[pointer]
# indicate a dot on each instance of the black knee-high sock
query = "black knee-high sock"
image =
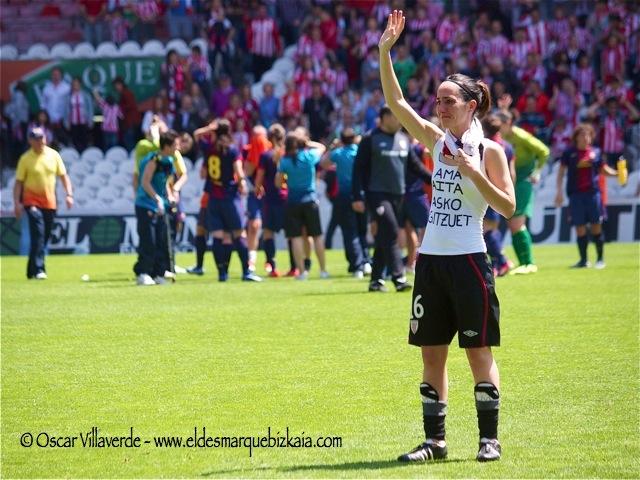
(292, 259)
(270, 251)
(599, 241)
(307, 264)
(487, 406)
(227, 250)
(218, 254)
(201, 247)
(240, 244)
(583, 243)
(434, 413)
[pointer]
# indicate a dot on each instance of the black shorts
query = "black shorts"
(454, 294)
(298, 215)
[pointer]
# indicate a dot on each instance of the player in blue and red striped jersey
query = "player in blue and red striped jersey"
(223, 169)
(273, 198)
(584, 163)
(493, 238)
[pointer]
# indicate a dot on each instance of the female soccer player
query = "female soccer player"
(584, 164)
(454, 290)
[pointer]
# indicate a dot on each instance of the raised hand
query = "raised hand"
(395, 25)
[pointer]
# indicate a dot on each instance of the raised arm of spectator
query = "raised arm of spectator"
(424, 131)
(206, 130)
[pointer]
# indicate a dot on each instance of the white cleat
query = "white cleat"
(144, 280)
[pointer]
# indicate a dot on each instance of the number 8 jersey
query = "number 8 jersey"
(222, 182)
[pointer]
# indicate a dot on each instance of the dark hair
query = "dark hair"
(348, 136)
(491, 125)
(276, 133)
(293, 143)
(384, 111)
(223, 128)
(473, 90)
(196, 49)
(118, 80)
(168, 138)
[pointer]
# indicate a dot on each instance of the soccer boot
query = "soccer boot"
(424, 453)
(489, 451)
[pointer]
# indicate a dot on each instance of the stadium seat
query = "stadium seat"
(61, 50)
(153, 47)
(107, 49)
(92, 155)
(284, 65)
(8, 52)
(273, 76)
(179, 46)
(117, 154)
(122, 206)
(37, 51)
(256, 91)
(84, 50)
(130, 49)
(103, 169)
(290, 51)
(93, 182)
(69, 155)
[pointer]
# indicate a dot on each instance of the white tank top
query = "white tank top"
(457, 211)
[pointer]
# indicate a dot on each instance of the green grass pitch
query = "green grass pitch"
(321, 357)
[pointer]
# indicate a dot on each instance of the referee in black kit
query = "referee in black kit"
(384, 155)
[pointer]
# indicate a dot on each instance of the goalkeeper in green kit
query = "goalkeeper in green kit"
(531, 154)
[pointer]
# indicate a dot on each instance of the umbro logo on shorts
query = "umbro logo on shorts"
(470, 333)
(414, 326)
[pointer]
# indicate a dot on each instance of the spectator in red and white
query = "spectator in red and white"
(327, 76)
(219, 32)
(55, 97)
(221, 95)
(174, 79)
(537, 32)
(417, 25)
(249, 104)
(93, 13)
(158, 111)
(573, 52)
(50, 9)
(616, 88)
(566, 101)
(481, 45)
(533, 70)
(584, 77)
(111, 115)
(318, 113)
(118, 26)
(79, 115)
(370, 70)
(291, 105)
(263, 42)
(449, 28)
(520, 48)
(613, 116)
(304, 76)
(342, 79)
(612, 58)
(179, 17)
(199, 69)
(240, 135)
(370, 38)
(559, 28)
(311, 45)
(498, 43)
(147, 12)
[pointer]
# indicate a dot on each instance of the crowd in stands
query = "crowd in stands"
(552, 63)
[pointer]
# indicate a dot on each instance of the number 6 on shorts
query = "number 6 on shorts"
(418, 309)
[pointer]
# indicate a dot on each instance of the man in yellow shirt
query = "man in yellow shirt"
(35, 193)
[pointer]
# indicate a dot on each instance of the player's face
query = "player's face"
(451, 109)
(583, 139)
